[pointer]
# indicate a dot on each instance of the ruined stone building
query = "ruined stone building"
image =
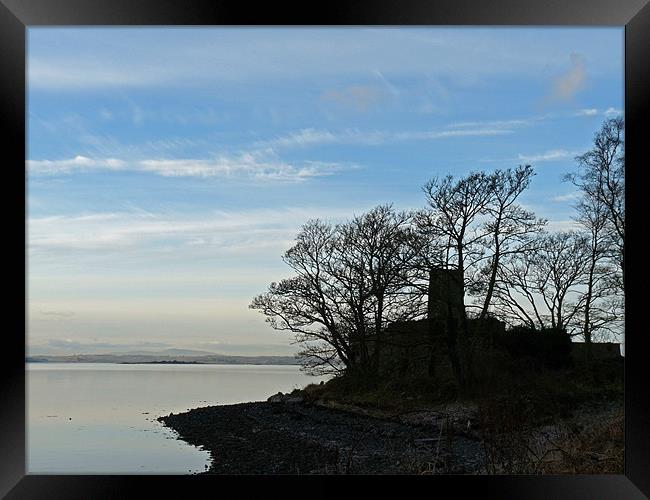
(414, 347)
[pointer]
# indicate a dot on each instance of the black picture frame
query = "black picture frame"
(17, 15)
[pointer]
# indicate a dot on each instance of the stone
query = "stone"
(276, 398)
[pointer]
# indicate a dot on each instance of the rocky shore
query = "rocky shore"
(286, 435)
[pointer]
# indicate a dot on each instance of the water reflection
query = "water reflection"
(101, 418)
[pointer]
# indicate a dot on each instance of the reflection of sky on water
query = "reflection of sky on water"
(101, 418)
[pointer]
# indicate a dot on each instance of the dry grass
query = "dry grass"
(591, 448)
(505, 435)
(591, 442)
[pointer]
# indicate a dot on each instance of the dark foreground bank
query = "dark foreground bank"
(291, 436)
(306, 438)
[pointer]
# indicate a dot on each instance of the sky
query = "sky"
(168, 169)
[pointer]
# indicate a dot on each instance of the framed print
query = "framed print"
(362, 240)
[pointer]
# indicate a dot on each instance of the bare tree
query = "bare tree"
(601, 212)
(352, 281)
(515, 296)
(452, 220)
(601, 179)
(310, 304)
(510, 227)
(381, 249)
(454, 207)
(542, 287)
(600, 304)
(560, 264)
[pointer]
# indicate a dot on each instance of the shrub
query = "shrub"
(547, 348)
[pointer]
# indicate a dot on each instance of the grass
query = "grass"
(549, 394)
(595, 447)
(387, 396)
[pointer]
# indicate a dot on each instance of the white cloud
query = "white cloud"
(245, 165)
(562, 225)
(313, 137)
(77, 164)
(477, 132)
(79, 73)
(307, 137)
(551, 155)
(227, 232)
(497, 124)
(595, 112)
(586, 112)
(566, 197)
(612, 112)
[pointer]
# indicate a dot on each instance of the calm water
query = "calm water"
(101, 418)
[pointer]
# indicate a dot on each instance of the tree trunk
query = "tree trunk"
(376, 355)
(431, 327)
(452, 345)
(493, 274)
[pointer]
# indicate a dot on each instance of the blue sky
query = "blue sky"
(169, 168)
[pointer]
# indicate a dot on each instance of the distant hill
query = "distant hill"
(164, 352)
(179, 356)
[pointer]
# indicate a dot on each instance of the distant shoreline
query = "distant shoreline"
(172, 362)
(215, 359)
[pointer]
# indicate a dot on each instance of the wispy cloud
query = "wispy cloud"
(314, 137)
(546, 156)
(586, 112)
(612, 112)
(566, 197)
(87, 73)
(497, 124)
(596, 112)
(222, 231)
(562, 225)
(77, 164)
(568, 84)
(425, 135)
(131, 58)
(551, 155)
(245, 165)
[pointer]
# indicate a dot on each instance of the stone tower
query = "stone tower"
(445, 294)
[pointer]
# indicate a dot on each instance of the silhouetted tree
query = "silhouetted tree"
(452, 219)
(509, 226)
(352, 280)
(309, 304)
(600, 303)
(601, 213)
(541, 287)
(601, 180)
(379, 249)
